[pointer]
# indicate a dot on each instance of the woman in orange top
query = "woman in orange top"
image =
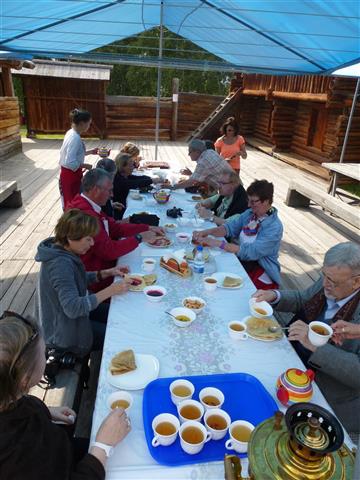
(231, 145)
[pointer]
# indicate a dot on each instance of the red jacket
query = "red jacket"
(107, 248)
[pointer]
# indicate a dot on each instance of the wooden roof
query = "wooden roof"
(56, 68)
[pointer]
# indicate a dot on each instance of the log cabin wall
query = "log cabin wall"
(48, 101)
(262, 126)
(10, 140)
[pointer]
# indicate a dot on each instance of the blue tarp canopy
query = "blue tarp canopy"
(268, 36)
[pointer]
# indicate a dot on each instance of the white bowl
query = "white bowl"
(254, 305)
(170, 227)
(183, 237)
(183, 311)
(152, 298)
(196, 310)
(120, 395)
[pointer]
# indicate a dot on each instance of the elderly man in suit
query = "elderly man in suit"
(334, 297)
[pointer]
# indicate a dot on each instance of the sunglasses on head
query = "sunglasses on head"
(34, 332)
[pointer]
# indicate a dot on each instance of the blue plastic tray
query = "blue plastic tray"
(245, 399)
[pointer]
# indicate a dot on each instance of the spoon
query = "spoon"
(171, 315)
(274, 329)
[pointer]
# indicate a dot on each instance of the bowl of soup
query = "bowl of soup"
(155, 293)
(183, 317)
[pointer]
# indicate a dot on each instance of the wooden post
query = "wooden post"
(7, 82)
(174, 111)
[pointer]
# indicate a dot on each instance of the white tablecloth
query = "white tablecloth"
(203, 348)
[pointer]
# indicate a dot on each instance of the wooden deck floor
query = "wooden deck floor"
(308, 233)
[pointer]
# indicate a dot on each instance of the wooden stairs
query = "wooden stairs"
(214, 116)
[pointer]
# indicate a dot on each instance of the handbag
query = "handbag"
(146, 218)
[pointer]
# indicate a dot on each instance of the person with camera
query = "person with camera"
(73, 320)
(32, 446)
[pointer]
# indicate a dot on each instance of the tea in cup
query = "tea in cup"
(165, 427)
(240, 432)
(210, 284)
(193, 436)
(319, 333)
(148, 265)
(260, 309)
(237, 330)
(181, 390)
(217, 421)
(190, 410)
(120, 400)
(211, 398)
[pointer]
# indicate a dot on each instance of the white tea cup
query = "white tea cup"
(210, 284)
(177, 396)
(215, 393)
(181, 408)
(191, 446)
(217, 433)
(161, 435)
(148, 265)
(123, 398)
(237, 330)
(319, 339)
(233, 443)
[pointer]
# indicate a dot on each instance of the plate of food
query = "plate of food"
(137, 281)
(196, 304)
(258, 329)
(160, 242)
(227, 280)
(190, 255)
(132, 371)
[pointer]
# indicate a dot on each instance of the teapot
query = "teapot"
(294, 385)
(162, 196)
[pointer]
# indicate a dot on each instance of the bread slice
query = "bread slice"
(231, 282)
(123, 362)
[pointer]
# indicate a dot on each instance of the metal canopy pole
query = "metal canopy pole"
(159, 80)
(342, 155)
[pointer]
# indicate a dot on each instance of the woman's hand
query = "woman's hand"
(298, 331)
(345, 331)
(93, 151)
(62, 414)
(210, 242)
(118, 206)
(114, 428)
(204, 212)
(265, 296)
(118, 288)
(119, 271)
(87, 166)
(199, 235)
(157, 230)
(185, 171)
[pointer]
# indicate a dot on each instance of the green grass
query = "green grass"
(353, 188)
(46, 136)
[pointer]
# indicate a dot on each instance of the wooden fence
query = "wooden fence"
(10, 141)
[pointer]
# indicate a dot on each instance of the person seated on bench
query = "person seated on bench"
(124, 180)
(259, 232)
(32, 446)
(109, 166)
(334, 299)
(73, 321)
(134, 152)
(109, 243)
(231, 200)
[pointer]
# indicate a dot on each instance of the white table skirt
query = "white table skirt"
(203, 348)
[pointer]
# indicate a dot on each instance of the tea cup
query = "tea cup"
(193, 436)
(148, 265)
(234, 443)
(316, 337)
(210, 284)
(165, 427)
(190, 410)
(181, 390)
(260, 309)
(213, 424)
(120, 400)
(211, 398)
(183, 237)
(237, 330)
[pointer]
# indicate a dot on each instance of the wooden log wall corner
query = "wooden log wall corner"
(10, 140)
(282, 124)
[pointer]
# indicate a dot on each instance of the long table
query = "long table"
(203, 348)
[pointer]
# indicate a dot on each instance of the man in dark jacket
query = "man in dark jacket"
(231, 200)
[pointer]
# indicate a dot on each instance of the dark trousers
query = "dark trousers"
(98, 318)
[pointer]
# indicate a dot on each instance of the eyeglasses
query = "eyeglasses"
(34, 332)
(334, 284)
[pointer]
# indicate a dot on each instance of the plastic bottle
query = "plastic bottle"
(199, 263)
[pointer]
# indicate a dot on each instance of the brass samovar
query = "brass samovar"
(304, 444)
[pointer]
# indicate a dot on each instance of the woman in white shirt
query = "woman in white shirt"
(72, 156)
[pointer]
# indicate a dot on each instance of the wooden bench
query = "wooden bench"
(10, 196)
(300, 194)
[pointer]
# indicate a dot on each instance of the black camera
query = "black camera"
(174, 212)
(55, 360)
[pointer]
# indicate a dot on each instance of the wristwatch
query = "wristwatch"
(211, 218)
(138, 237)
(109, 450)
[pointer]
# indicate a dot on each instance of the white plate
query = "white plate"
(219, 276)
(159, 246)
(136, 275)
(244, 320)
(146, 371)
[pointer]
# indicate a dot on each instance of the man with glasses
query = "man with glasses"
(230, 201)
(333, 298)
(209, 165)
(114, 239)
